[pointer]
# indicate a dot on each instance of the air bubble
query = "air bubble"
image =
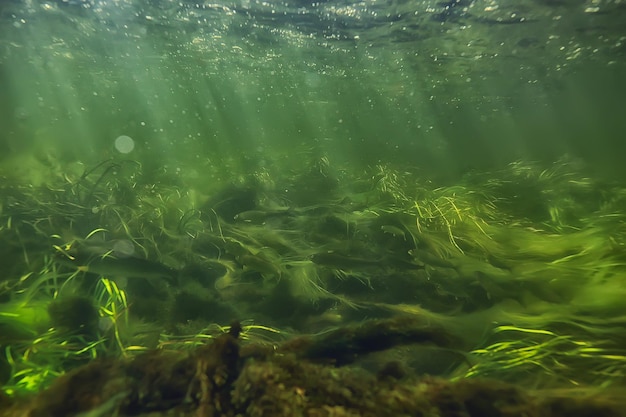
(124, 144)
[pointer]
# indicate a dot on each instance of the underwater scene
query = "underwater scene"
(312, 208)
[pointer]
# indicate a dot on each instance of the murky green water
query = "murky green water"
(173, 165)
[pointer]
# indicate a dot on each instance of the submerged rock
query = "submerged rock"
(223, 379)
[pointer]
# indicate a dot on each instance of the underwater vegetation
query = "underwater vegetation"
(521, 271)
(225, 377)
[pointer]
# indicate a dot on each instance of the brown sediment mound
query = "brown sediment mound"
(298, 378)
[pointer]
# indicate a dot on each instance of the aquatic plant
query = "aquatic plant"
(548, 358)
(250, 331)
(381, 243)
(53, 330)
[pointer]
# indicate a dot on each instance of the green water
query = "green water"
(474, 149)
(445, 87)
